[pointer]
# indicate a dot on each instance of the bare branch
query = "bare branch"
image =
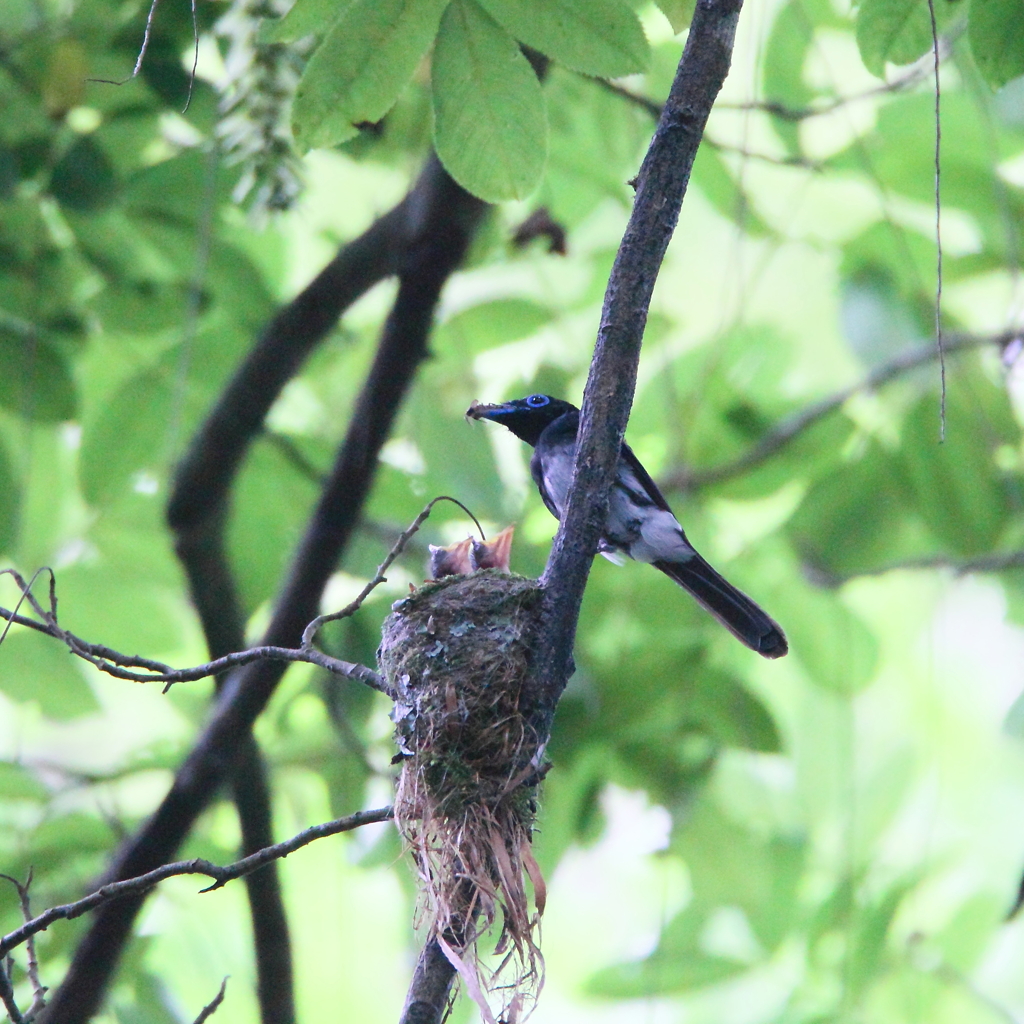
(350, 609)
(997, 562)
(32, 963)
(661, 185)
(198, 866)
(210, 1008)
(430, 991)
(654, 109)
(115, 664)
(141, 56)
(938, 223)
(787, 430)
(7, 995)
(917, 73)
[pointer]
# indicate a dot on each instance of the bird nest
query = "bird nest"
(456, 652)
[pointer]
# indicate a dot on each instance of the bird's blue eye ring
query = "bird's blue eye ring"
(537, 401)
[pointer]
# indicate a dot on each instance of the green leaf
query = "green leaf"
(870, 929)
(35, 380)
(489, 123)
(84, 179)
(897, 31)
(839, 652)
(357, 72)
(682, 968)
(600, 37)
(140, 307)
(178, 189)
(713, 177)
(113, 602)
(39, 668)
(18, 783)
(268, 512)
(306, 18)
(784, 59)
(731, 865)
(996, 31)
(678, 12)
(127, 437)
(595, 146)
(10, 503)
(730, 714)
(959, 491)
(493, 323)
(856, 516)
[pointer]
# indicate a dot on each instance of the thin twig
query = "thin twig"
(7, 995)
(142, 52)
(653, 108)
(210, 1008)
(115, 664)
(119, 665)
(352, 607)
(188, 102)
(198, 866)
(26, 595)
(938, 226)
(32, 962)
(775, 440)
(290, 450)
(781, 111)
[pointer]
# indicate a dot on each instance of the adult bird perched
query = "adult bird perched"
(640, 523)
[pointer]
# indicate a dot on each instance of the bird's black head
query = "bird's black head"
(525, 417)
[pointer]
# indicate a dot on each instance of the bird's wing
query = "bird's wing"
(643, 478)
(551, 469)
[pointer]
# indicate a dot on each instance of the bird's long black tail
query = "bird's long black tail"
(744, 619)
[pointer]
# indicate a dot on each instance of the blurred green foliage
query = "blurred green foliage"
(841, 830)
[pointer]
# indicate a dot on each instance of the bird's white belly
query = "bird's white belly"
(635, 525)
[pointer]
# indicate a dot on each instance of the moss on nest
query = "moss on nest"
(456, 652)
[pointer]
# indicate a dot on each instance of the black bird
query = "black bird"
(640, 523)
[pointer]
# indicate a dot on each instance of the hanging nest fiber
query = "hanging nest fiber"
(456, 652)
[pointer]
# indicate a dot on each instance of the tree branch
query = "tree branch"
(32, 962)
(197, 866)
(112, 662)
(439, 220)
(787, 430)
(7, 997)
(430, 989)
(210, 1008)
(998, 561)
(661, 185)
(654, 108)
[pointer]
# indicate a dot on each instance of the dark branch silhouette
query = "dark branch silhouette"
(209, 1009)
(423, 239)
(998, 561)
(221, 875)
